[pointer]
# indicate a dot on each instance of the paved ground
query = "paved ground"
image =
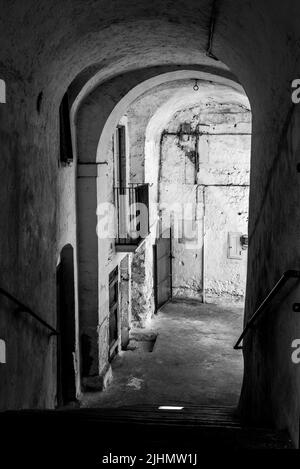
(192, 362)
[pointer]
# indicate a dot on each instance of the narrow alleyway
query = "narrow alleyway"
(192, 361)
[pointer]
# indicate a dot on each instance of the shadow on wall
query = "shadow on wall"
(66, 390)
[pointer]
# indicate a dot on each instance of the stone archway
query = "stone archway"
(96, 118)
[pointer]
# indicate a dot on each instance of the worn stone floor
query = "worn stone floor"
(192, 362)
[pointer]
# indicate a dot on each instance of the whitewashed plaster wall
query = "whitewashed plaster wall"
(220, 137)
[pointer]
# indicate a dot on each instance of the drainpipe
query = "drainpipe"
(203, 234)
(159, 167)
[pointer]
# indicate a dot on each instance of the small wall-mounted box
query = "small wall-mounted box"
(2, 351)
(234, 246)
(244, 241)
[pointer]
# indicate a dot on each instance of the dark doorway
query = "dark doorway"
(162, 269)
(113, 312)
(66, 389)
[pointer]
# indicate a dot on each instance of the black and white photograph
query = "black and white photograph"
(149, 232)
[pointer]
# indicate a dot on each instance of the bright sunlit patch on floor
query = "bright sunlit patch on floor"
(170, 407)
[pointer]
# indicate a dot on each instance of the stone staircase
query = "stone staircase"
(90, 433)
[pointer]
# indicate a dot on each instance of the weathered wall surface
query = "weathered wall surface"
(207, 169)
(27, 226)
(274, 391)
(66, 235)
(142, 285)
(226, 210)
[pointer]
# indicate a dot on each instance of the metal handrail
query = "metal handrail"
(25, 309)
(283, 279)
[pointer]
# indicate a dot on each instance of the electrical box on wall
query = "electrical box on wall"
(234, 245)
(2, 351)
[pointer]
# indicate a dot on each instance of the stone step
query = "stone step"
(136, 429)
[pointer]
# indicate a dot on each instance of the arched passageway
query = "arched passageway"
(135, 151)
(95, 188)
(99, 376)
